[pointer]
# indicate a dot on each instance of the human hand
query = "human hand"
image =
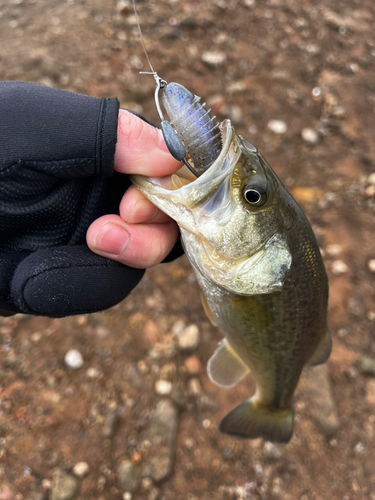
(141, 236)
(57, 178)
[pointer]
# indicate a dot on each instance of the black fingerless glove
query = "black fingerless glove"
(56, 178)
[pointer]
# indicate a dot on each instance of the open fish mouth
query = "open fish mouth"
(187, 189)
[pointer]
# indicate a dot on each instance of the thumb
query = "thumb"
(141, 148)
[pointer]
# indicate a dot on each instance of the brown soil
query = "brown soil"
(277, 52)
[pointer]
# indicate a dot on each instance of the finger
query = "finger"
(136, 209)
(141, 148)
(136, 245)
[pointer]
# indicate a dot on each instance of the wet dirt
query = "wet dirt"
(310, 64)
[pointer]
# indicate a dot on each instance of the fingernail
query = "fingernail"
(112, 239)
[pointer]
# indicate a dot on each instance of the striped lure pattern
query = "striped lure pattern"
(194, 125)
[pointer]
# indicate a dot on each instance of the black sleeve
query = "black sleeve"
(56, 177)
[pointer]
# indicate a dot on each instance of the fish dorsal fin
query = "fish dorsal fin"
(322, 350)
(207, 310)
(225, 368)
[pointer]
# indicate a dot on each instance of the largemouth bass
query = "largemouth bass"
(262, 279)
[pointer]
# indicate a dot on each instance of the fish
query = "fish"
(260, 272)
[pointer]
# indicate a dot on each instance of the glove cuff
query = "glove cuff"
(107, 136)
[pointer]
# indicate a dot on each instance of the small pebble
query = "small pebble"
(371, 179)
(46, 484)
(92, 372)
(316, 91)
(333, 443)
(339, 267)
(142, 366)
(371, 265)
(194, 387)
(206, 423)
(146, 484)
(124, 7)
(370, 191)
(236, 87)
(249, 3)
(189, 443)
(193, 365)
(235, 114)
(214, 59)
(271, 451)
(81, 320)
(334, 250)
(127, 496)
(168, 371)
(359, 449)
(154, 494)
(64, 486)
(102, 332)
(36, 336)
(73, 359)
(366, 366)
(111, 421)
(81, 469)
(188, 338)
(310, 135)
(128, 478)
(163, 387)
(351, 373)
(277, 126)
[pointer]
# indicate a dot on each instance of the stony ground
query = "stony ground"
(137, 417)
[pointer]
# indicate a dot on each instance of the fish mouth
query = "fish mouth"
(184, 185)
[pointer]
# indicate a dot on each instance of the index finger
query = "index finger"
(141, 148)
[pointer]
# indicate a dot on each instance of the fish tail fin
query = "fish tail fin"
(253, 420)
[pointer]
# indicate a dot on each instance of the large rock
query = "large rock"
(162, 435)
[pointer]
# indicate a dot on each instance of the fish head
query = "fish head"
(233, 218)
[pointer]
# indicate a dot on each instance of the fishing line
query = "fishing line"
(173, 142)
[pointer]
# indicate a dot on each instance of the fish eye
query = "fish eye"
(255, 195)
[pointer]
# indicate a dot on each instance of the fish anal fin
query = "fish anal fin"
(322, 350)
(207, 310)
(251, 420)
(225, 368)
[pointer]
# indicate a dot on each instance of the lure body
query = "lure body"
(194, 125)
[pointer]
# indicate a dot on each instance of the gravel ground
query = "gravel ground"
(131, 413)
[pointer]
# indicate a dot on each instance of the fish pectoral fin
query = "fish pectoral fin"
(252, 420)
(225, 368)
(322, 350)
(207, 310)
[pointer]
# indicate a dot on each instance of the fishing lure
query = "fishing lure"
(192, 130)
